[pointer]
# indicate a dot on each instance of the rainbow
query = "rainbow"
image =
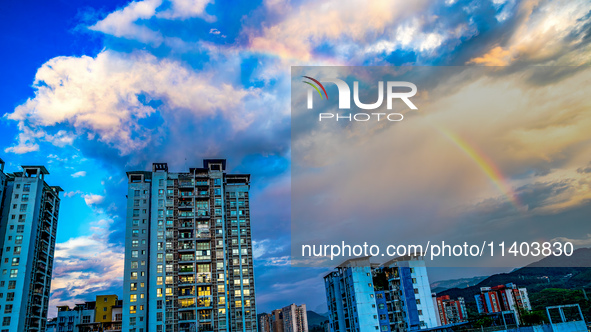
(485, 164)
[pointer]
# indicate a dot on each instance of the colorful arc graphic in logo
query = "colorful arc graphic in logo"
(316, 87)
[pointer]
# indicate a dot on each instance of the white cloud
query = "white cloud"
(92, 199)
(584, 242)
(99, 99)
(122, 23)
(126, 22)
(183, 9)
(79, 174)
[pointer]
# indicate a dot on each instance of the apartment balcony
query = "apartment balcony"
(183, 215)
(186, 194)
(185, 205)
(203, 234)
(186, 184)
(188, 294)
(202, 214)
(186, 246)
(186, 224)
(203, 278)
(185, 317)
(186, 269)
(186, 281)
(186, 304)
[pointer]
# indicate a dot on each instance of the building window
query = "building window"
(133, 286)
(6, 321)
(132, 298)
(20, 228)
(25, 197)
(17, 250)
(134, 253)
(26, 187)
(136, 193)
(10, 296)
(15, 261)
(132, 310)
(85, 319)
(133, 275)
(418, 301)
(11, 284)
(13, 273)
(8, 309)
(134, 265)
(23, 208)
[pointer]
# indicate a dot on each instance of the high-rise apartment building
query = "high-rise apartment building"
(451, 311)
(503, 298)
(292, 318)
(295, 318)
(188, 251)
(29, 210)
(395, 296)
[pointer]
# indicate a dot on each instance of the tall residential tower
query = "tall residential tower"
(188, 251)
(29, 209)
(392, 297)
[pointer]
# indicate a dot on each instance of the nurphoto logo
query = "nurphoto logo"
(344, 92)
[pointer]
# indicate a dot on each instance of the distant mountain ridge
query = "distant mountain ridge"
(439, 286)
(573, 273)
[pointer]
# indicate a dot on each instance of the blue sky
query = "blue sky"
(96, 89)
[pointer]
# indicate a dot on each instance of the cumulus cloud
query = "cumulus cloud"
(104, 99)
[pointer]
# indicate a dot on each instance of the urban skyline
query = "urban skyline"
(92, 90)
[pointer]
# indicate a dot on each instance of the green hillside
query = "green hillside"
(546, 284)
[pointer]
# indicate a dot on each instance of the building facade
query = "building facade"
(503, 298)
(29, 214)
(395, 296)
(451, 311)
(188, 251)
(292, 318)
(295, 318)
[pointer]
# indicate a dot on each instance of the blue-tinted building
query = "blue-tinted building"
(29, 209)
(188, 251)
(395, 296)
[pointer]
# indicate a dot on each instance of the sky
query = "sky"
(92, 90)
